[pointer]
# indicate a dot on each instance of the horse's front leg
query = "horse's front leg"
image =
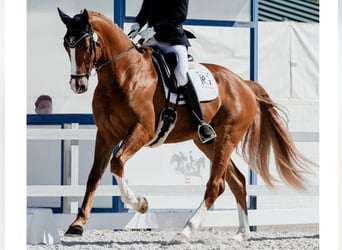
(139, 203)
(103, 152)
(137, 139)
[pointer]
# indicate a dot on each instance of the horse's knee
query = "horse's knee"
(116, 166)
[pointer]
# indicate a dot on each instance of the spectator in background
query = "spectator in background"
(43, 105)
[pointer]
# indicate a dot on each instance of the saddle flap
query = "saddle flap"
(165, 65)
(202, 78)
(171, 60)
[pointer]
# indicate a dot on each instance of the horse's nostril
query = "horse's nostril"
(81, 88)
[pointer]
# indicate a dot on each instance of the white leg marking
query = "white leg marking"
(127, 195)
(243, 233)
(191, 226)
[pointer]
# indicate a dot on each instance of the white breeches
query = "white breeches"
(181, 69)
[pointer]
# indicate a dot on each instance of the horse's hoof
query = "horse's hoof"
(143, 205)
(74, 231)
(241, 236)
(180, 239)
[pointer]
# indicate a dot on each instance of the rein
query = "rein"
(115, 58)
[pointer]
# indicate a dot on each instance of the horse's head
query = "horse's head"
(80, 44)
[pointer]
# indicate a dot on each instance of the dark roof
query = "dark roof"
(294, 10)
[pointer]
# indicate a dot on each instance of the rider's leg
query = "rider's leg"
(205, 132)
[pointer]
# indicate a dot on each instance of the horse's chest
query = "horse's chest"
(112, 113)
(110, 120)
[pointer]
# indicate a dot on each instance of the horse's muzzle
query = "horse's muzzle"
(79, 85)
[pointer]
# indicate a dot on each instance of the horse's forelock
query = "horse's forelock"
(94, 13)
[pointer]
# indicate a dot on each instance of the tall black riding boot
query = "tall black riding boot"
(205, 132)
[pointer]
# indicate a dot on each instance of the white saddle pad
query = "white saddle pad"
(204, 83)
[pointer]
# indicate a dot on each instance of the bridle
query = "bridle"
(93, 40)
(72, 43)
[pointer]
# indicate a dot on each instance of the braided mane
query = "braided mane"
(93, 12)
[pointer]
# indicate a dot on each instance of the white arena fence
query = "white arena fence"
(71, 134)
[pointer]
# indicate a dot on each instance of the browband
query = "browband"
(73, 37)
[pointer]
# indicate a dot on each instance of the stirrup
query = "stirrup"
(206, 133)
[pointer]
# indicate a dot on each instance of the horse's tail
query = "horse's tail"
(268, 130)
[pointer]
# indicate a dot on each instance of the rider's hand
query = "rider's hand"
(147, 34)
(134, 30)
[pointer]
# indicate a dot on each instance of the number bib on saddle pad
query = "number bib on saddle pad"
(204, 83)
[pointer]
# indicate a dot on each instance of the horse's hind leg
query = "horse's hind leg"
(237, 184)
(220, 155)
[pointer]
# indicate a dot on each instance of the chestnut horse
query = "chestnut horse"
(129, 98)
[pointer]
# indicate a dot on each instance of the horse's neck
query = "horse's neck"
(114, 40)
(118, 41)
(115, 44)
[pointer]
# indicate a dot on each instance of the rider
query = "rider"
(166, 18)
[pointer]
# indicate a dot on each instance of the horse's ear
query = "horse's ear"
(85, 15)
(64, 17)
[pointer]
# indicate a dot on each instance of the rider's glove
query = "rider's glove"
(134, 30)
(147, 34)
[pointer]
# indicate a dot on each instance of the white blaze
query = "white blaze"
(73, 60)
